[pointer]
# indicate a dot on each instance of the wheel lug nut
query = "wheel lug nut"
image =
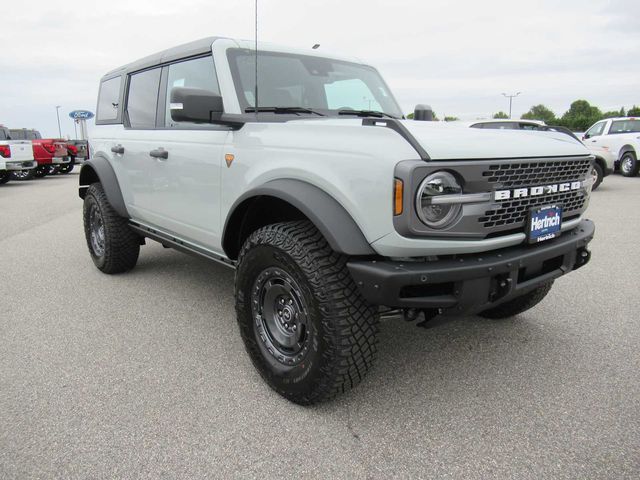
(290, 301)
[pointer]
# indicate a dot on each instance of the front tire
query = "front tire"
(519, 304)
(629, 165)
(113, 246)
(598, 175)
(305, 325)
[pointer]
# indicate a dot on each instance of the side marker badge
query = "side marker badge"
(229, 159)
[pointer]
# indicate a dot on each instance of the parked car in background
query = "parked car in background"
(602, 166)
(47, 152)
(617, 140)
(15, 156)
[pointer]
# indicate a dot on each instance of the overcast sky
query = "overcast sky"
(458, 56)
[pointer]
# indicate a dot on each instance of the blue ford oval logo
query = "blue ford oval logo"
(81, 114)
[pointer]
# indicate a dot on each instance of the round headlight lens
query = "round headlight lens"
(435, 214)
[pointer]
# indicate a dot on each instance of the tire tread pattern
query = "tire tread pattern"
(350, 324)
(122, 245)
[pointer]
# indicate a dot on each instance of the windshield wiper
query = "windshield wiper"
(365, 113)
(296, 110)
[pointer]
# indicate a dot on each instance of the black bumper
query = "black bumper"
(471, 283)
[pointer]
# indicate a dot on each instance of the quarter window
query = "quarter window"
(109, 100)
(142, 101)
(197, 73)
(625, 126)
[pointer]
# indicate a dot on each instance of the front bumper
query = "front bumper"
(466, 284)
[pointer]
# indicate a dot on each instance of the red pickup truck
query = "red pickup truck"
(48, 152)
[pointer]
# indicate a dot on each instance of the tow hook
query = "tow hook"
(582, 258)
(428, 314)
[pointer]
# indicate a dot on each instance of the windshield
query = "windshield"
(315, 83)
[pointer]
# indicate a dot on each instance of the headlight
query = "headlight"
(435, 212)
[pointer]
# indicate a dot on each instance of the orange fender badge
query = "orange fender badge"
(229, 159)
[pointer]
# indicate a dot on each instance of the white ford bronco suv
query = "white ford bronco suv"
(330, 206)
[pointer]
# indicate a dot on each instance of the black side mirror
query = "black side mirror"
(195, 105)
(585, 136)
(423, 113)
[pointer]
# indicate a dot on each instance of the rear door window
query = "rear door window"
(109, 101)
(142, 101)
(197, 73)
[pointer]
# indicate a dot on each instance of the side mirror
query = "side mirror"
(195, 105)
(423, 113)
(585, 136)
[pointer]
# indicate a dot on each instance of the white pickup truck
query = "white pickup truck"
(15, 155)
(617, 140)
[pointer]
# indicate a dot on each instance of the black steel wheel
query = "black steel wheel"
(629, 165)
(113, 246)
(281, 315)
(305, 325)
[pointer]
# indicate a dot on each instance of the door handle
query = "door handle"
(593, 141)
(118, 149)
(159, 153)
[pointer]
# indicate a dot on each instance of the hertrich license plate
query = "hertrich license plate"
(545, 223)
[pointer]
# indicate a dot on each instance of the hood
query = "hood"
(448, 141)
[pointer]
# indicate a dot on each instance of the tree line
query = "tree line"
(580, 116)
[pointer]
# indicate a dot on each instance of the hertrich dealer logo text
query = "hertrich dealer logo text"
(534, 191)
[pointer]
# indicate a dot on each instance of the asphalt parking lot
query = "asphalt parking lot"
(143, 375)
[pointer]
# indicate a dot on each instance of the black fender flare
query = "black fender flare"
(325, 212)
(98, 169)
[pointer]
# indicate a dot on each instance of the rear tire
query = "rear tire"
(67, 167)
(113, 246)
(41, 171)
(23, 174)
(598, 175)
(518, 304)
(629, 165)
(5, 176)
(305, 325)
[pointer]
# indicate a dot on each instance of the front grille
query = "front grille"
(515, 211)
(536, 173)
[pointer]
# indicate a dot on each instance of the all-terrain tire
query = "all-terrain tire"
(629, 165)
(116, 247)
(519, 304)
(339, 342)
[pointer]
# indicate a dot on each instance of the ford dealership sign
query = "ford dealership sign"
(81, 114)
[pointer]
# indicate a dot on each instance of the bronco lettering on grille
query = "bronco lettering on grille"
(533, 191)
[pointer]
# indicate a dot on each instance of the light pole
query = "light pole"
(511, 97)
(58, 107)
